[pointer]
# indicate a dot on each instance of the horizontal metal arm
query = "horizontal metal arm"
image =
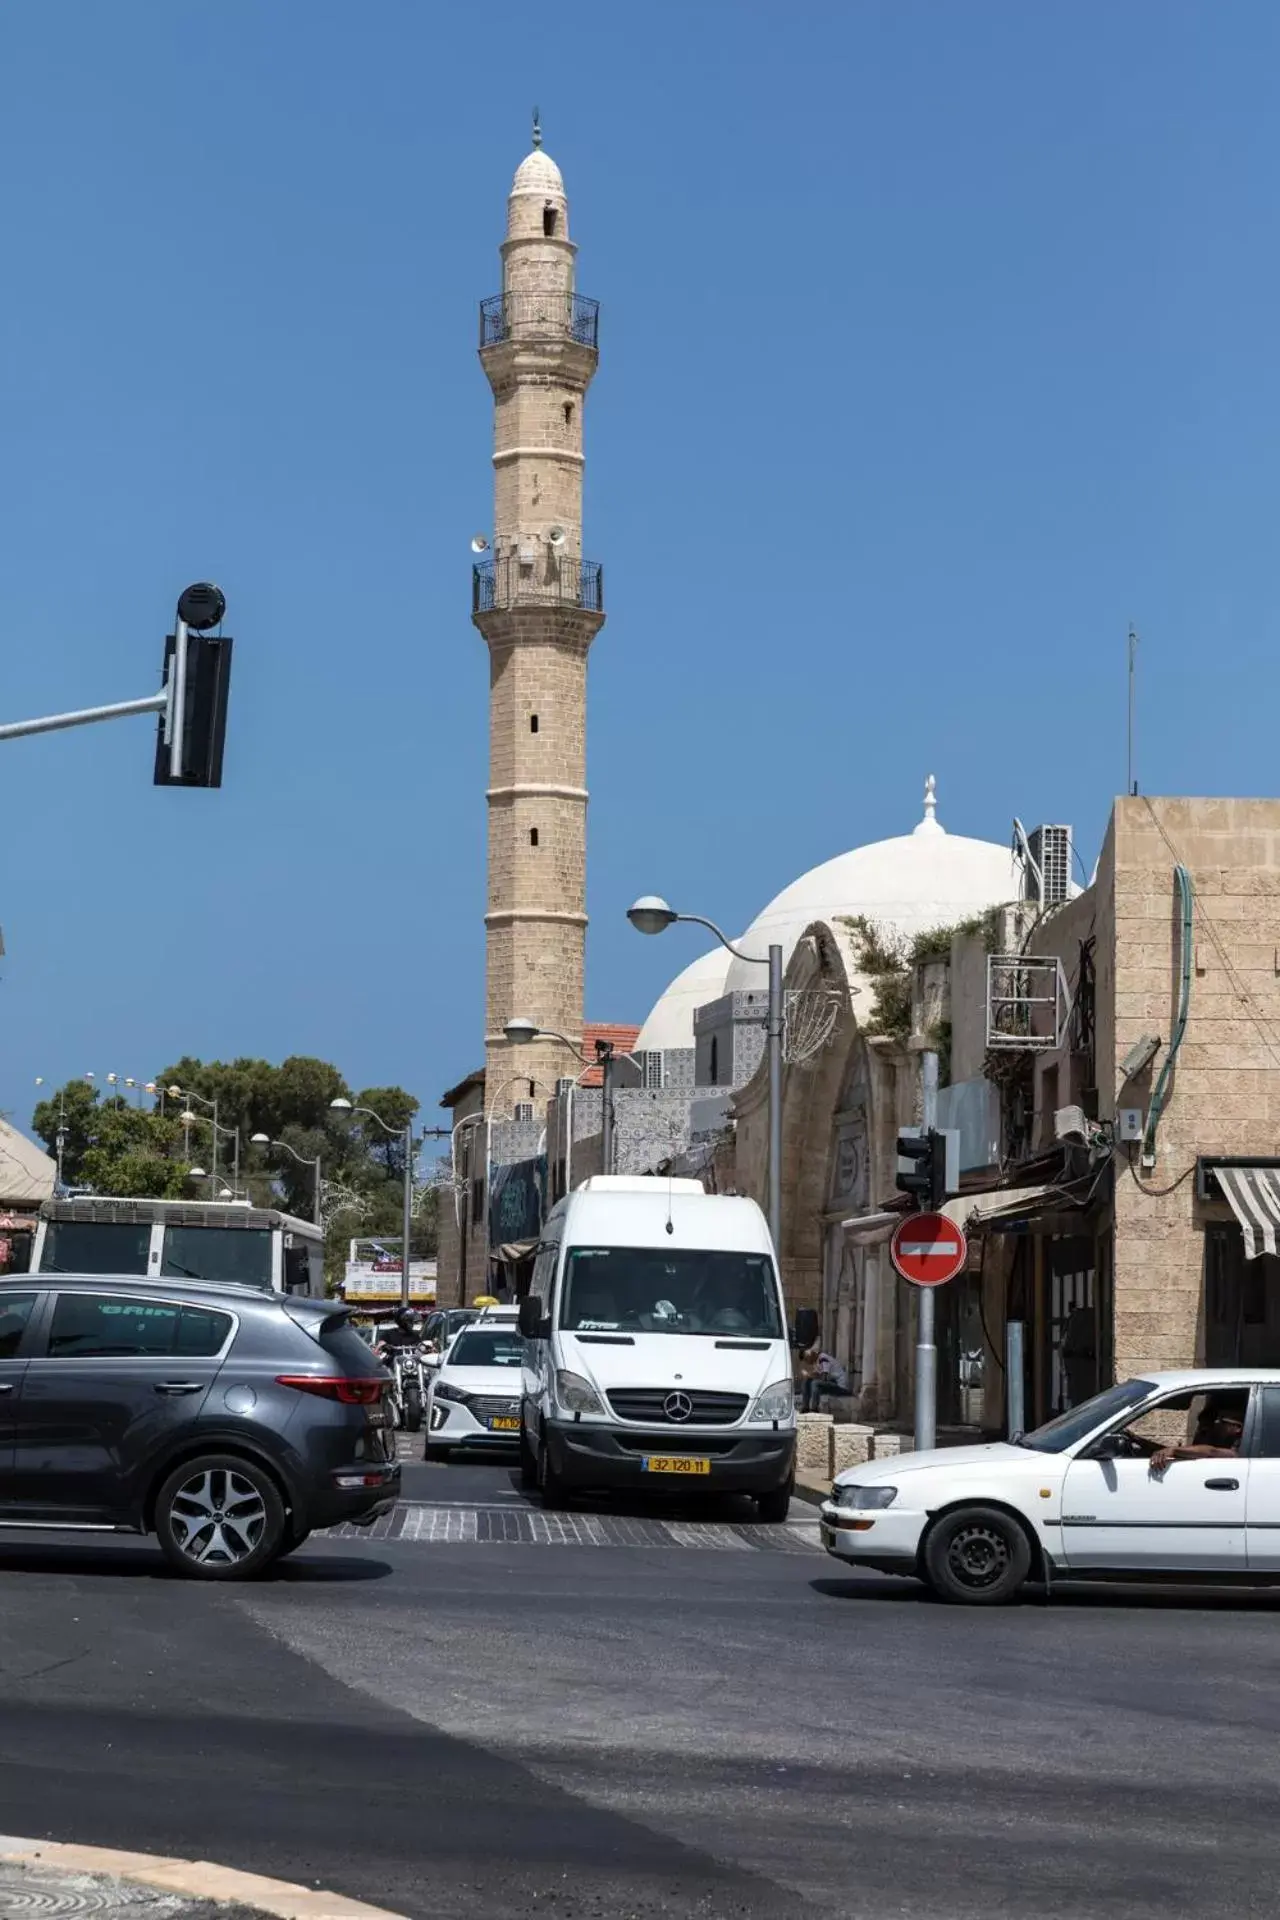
(85, 717)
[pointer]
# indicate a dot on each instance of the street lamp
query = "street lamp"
(344, 1106)
(519, 1031)
(265, 1140)
(651, 914)
(188, 1094)
(190, 1118)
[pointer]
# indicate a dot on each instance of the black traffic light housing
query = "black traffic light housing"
(197, 674)
(926, 1179)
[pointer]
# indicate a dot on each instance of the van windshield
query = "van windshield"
(670, 1290)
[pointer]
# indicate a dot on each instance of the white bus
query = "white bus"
(180, 1239)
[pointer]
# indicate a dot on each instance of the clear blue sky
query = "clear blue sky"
(938, 342)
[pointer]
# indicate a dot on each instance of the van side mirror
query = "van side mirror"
(806, 1326)
(529, 1317)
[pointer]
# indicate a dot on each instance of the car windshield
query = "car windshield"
(671, 1290)
(485, 1348)
(1078, 1422)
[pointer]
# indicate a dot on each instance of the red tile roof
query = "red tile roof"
(623, 1038)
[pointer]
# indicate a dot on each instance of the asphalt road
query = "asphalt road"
(723, 1730)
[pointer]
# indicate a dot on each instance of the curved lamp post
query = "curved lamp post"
(303, 1160)
(345, 1106)
(651, 914)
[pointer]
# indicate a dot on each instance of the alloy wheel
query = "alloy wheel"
(218, 1517)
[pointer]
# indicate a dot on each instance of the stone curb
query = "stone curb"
(196, 1879)
(812, 1492)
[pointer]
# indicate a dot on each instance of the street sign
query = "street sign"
(928, 1249)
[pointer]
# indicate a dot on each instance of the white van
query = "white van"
(658, 1350)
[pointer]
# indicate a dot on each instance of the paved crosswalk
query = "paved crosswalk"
(515, 1524)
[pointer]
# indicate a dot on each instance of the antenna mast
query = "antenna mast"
(1130, 784)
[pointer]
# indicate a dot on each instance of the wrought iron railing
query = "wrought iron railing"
(509, 582)
(540, 316)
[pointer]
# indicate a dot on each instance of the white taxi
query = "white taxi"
(1172, 1477)
(473, 1402)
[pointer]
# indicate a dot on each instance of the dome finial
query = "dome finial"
(930, 822)
(537, 129)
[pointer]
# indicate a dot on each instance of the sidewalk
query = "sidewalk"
(49, 1876)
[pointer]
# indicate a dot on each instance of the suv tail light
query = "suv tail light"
(352, 1393)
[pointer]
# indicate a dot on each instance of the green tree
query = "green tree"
(113, 1147)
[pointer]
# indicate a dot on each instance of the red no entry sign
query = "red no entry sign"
(928, 1249)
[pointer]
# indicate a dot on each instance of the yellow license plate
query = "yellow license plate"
(674, 1463)
(503, 1425)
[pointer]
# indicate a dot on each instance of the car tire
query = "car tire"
(220, 1517)
(528, 1461)
(413, 1411)
(773, 1507)
(977, 1556)
(550, 1485)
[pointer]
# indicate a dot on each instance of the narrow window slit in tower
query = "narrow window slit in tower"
(568, 413)
(533, 723)
(550, 215)
(533, 836)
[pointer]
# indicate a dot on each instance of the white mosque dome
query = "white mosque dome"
(928, 878)
(670, 1024)
(538, 173)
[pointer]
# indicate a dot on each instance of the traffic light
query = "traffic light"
(926, 1178)
(197, 673)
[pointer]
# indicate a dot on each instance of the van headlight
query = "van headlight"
(863, 1499)
(575, 1394)
(777, 1402)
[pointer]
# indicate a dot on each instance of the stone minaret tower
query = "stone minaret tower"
(539, 605)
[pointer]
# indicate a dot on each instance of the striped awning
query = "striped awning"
(1254, 1197)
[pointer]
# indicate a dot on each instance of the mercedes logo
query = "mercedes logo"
(677, 1406)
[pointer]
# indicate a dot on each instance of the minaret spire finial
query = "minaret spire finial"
(537, 128)
(931, 797)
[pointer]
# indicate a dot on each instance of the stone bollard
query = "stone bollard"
(850, 1445)
(884, 1446)
(813, 1443)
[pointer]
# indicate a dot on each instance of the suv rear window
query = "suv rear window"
(112, 1326)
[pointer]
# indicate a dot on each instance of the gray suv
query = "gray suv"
(227, 1421)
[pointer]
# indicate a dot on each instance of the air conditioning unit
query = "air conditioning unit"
(1048, 871)
(650, 1065)
(524, 1110)
(1070, 1123)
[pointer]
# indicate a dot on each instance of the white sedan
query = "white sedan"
(1172, 1477)
(473, 1401)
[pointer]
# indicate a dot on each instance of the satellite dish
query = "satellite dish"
(479, 544)
(555, 536)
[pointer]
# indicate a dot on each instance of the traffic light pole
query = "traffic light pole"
(926, 1411)
(84, 717)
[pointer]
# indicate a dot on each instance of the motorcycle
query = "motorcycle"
(409, 1393)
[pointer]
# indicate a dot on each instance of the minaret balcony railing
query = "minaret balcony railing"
(540, 316)
(511, 581)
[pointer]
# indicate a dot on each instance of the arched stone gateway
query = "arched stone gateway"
(841, 1110)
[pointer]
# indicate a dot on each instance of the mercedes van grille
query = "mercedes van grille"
(666, 1406)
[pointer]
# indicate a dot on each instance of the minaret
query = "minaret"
(539, 605)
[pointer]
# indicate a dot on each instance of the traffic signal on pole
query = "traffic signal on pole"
(926, 1178)
(197, 673)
